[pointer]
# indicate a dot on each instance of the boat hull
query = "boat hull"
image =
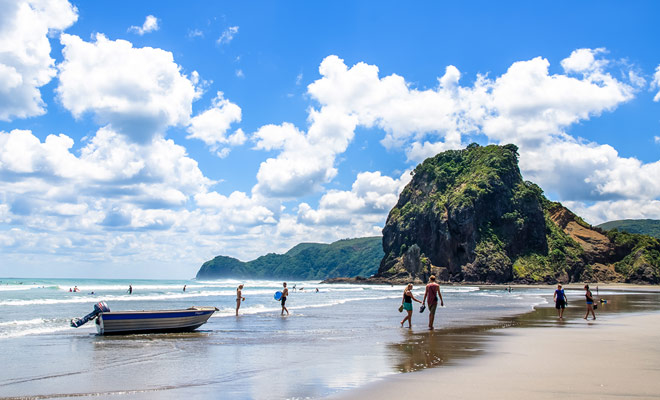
(125, 322)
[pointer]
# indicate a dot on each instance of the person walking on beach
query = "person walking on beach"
(239, 297)
(285, 292)
(560, 301)
(432, 292)
(407, 304)
(590, 302)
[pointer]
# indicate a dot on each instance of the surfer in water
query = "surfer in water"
(285, 293)
(239, 297)
(130, 289)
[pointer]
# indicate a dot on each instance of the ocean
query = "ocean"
(338, 338)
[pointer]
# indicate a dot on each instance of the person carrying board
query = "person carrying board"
(285, 293)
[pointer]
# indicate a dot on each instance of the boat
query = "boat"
(157, 321)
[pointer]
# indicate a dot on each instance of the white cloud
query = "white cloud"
(389, 103)
(371, 197)
(25, 61)
(239, 73)
(236, 209)
(228, 35)
(150, 25)
(137, 91)
(584, 60)
(656, 139)
(120, 201)
(603, 211)
(211, 126)
(306, 160)
(589, 171)
(109, 171)
(526, 105)
(656, 83)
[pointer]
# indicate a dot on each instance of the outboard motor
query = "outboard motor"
(99, 308)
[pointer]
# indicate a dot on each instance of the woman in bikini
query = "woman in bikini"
(407, 304)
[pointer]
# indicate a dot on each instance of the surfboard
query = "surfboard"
(278, 295)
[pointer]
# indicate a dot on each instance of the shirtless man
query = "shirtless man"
(432, 292)
(239, 297)
(285, 292)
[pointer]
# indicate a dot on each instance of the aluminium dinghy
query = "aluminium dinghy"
(157, 321)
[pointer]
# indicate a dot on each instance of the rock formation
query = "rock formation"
(467, 215)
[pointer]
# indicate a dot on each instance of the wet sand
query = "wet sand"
(612, 357)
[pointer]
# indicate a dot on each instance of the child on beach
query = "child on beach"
(239, 297)
(560, 301)
(432, 292)
(590, 302)
(407, 304)
(285, 292)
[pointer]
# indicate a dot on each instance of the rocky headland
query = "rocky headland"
(468, 216)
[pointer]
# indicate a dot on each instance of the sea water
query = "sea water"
(336, 338)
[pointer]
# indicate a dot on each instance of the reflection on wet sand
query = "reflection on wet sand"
(446, 346)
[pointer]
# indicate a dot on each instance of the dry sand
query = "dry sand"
(614, 358)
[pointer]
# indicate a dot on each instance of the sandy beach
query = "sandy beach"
(613, 358)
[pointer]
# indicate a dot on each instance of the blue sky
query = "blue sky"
(139, 139)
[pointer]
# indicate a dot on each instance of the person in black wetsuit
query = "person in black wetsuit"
(560, 301)
(407, 304)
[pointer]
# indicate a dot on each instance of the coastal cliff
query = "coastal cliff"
(468, 216)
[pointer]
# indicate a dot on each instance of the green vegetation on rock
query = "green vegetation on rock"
(348, 257)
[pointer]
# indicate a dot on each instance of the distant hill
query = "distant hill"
(348, 257)
(649, 227)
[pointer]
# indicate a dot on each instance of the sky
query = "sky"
(140, 139)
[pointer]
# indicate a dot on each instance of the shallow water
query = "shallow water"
(341, 337)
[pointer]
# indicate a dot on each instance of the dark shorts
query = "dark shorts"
(432, 307)
(560, 304)
(283, 301)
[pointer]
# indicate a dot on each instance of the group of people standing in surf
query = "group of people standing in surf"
(432, 296)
